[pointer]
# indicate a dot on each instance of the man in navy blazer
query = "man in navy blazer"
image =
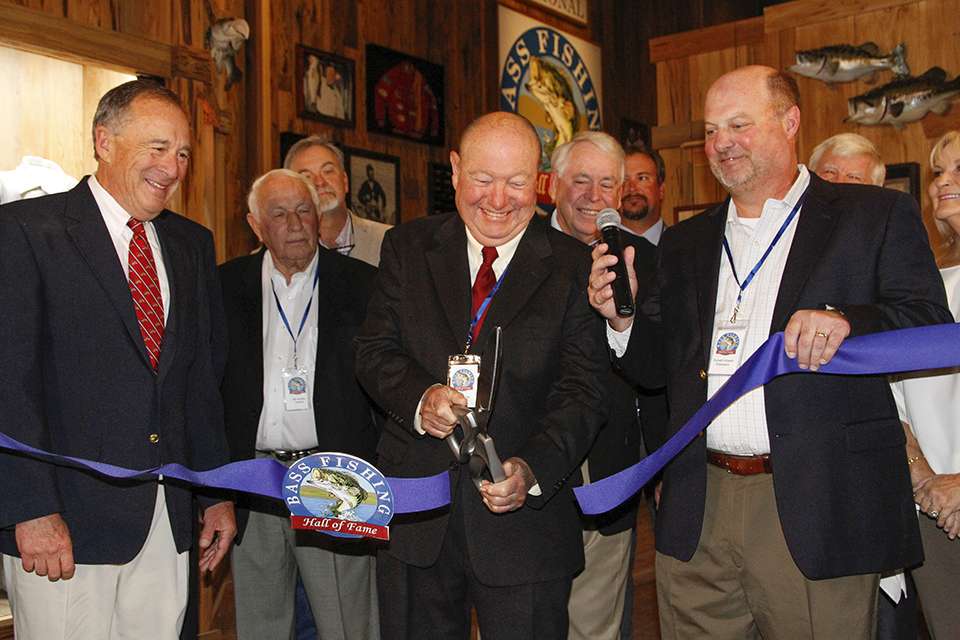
(779, 520)
(111, 339)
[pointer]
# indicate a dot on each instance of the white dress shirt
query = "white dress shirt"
(279, 428)
(652, 234)
(345, 240)
(928, 401)
(742, 427)
(116, 218)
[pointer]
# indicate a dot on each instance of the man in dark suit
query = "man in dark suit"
(587, 178)
(512, 549)
(779, 521)
(112, 342)
(326, 293)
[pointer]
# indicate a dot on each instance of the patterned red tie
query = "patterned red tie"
(482, 287)
(145, 290)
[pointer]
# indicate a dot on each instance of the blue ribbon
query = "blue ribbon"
(932, 347)
(262, 476)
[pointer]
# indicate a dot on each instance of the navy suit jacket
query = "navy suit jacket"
(76, 379)
(837, 448)
(549, 405)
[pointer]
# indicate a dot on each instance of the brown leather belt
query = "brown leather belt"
(740, 465)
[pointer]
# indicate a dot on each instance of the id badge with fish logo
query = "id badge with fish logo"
(340, 495)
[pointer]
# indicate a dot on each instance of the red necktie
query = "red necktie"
(145, 290)
(482, 287)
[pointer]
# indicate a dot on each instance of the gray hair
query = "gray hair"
(846, 145)
(112, 108)
(313, 141)
(606, 143)
(253, 198)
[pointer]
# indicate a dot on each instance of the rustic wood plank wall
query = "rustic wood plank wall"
(687, 63)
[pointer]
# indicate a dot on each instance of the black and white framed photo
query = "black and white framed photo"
(374, 185)
(404, 96)
(905, 177)
(325, 87)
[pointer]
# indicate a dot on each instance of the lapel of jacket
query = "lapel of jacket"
(450, 271)
(177, 265)
(529, 267)
(251, 309)
(330, 293)
(815, 225)
(707, 246)
(86, 227)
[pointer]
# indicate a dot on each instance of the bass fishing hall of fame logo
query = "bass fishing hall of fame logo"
(340, 495)
(546, 80)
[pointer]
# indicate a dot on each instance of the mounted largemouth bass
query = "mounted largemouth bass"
(843, 62)
(905, 100)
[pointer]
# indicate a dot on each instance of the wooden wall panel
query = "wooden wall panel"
(929, 27)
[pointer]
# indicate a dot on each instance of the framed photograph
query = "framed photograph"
(633, 133)
(374, 185)
(325, 87)
(404, 96)
(687, 211)
(904, 177)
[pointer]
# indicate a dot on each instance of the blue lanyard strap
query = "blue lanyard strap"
(306, 312)
(756, 268)
(483, 308)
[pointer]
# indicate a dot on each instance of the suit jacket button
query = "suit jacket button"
(154, 438)
(703, 374)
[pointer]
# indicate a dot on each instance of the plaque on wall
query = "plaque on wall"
(442, 197)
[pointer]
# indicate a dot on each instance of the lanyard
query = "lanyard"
(306, 312)
(482, 309)
(763, 258)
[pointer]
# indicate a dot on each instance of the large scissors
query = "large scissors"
(474, 446)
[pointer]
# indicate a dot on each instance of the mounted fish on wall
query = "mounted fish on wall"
(224, 39)
(844, 62)
(905, 99)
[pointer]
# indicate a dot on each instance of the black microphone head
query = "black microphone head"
(608, 218)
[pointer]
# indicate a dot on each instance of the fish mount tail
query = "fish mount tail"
(900, 67)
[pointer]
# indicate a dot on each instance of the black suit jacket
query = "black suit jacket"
(623, 441)
(76, 379)
(840, 475)
(549, 405)
(344, 417)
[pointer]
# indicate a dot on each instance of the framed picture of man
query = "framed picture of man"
(404, 96)
(325, 87)
(374, 185)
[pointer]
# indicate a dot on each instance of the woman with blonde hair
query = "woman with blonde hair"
(929, 406)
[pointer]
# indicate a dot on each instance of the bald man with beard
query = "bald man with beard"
(778, 522)
(511, 549)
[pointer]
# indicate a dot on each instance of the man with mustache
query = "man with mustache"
(112, 335)
(321, 162)
(779, 520)
(643, 193)
(446, 282)
(293, 310)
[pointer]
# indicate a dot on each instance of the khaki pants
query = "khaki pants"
(743, 583)
(936, 580)
(144, 598)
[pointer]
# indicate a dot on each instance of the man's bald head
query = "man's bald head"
(782, 92)
(500, 123)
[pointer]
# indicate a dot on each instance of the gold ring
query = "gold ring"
(819, 333)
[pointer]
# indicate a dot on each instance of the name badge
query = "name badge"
(463, 371)
(727, 349)
(296, 389)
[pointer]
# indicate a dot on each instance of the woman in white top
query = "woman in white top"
(929, 406)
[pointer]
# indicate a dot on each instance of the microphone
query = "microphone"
(608, 224)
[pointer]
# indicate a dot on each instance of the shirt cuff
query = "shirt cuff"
(618, 340)
(416, 414)
(535, 490)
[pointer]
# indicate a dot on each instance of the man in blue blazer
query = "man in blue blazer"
(111, 339)
(779, 520)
